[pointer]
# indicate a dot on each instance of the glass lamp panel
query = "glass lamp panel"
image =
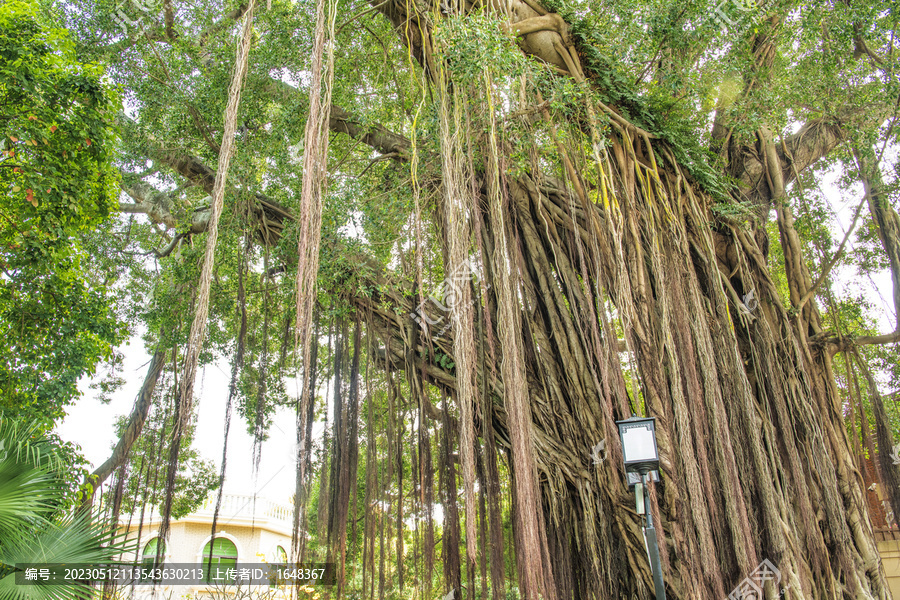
(638, 444)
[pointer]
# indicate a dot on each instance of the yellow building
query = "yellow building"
(249, 530)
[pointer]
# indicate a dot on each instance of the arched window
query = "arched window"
(280, 558)
(224, 557)
(148, 556)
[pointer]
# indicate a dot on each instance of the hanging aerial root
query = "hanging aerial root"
(184, 406)
(315, 168)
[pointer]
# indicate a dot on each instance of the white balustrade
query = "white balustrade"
(233, 506)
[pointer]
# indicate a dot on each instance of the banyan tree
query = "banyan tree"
(471, 236)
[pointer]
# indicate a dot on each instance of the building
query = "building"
(249, 530)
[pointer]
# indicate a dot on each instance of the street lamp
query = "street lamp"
(641, 458)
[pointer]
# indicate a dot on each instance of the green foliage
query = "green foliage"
(730, 209)
(656, 111)
(34, 528)
(475, 42)
(57, 183)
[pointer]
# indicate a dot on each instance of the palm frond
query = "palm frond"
(26, 496)
(73, 541)
(30, 493)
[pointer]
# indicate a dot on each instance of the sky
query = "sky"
(90, 424)
(878, 286)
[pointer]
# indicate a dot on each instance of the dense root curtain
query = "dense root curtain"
(756, 465)
(532, 555)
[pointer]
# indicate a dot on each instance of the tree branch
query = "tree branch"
(147, 202)
(187, 165)
(170, 247)
(224, 22)
(132, 429)
(269, 214)
(834, 259)
(376, 136)
(800, 151)
(836, 343)
(885, 218)
(877, 340)
(342, 121)
(169, 13)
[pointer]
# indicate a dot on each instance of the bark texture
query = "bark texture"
(755, 461)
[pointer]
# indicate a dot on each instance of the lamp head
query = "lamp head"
(639, 451)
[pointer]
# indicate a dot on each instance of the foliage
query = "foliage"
(57, 182)
(34, 528)
(472, 43)
(147, 463)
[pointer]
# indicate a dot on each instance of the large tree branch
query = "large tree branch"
(836, 343)
(270, 216)
(154, 204)
(224, 22)
(169, 16)
(187, 165)
(376, 136)
(150, 202)
(815, 140)
(818, 137)
(132, 430)
(800, 151)
(753, 166)
(171, 246)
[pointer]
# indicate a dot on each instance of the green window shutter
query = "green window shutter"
(222, 547)
(224, 556)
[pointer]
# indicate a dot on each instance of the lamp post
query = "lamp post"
(641, 458)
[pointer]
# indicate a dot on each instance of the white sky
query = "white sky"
(877, 287)
(90, 424)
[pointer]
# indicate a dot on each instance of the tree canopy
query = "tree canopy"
(59, 183)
